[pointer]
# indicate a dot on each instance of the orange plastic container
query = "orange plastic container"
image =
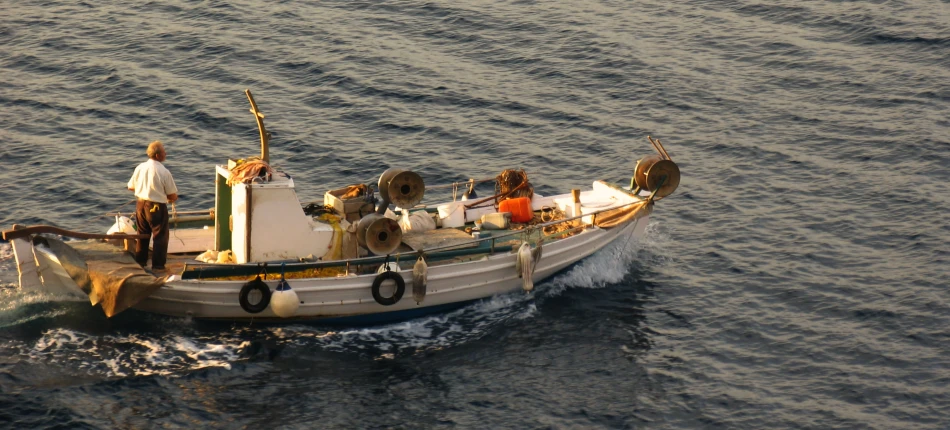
(519, 207)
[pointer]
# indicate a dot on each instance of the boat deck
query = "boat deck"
(458, 241)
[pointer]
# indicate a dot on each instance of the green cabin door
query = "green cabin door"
(222, 213)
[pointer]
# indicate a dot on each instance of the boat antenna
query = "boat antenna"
(265, 136)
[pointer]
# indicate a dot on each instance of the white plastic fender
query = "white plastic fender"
(122, 225)
(420, 274)
(284, 303)
(525, 266)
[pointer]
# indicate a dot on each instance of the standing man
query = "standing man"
(154, 187)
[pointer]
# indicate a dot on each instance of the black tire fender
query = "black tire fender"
(259, 285)
(400, 288)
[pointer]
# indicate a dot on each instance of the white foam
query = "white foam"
(53, 313)
(134, 355)
(611, 264)
(18, 308)
(114, 367)
(9, 277)
(421, 335)
(473, 322)
(13, 298)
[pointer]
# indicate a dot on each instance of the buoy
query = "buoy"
(284, 301)
(420, 273)
(525, 266)
(122, 225)
(470, 194)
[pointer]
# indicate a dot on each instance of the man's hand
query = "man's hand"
(172, 198)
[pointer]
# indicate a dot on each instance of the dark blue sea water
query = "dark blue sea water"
(797, 279)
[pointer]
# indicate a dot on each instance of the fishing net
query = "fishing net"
(512, 184)
(548, 214)
(621, 216)
(250, 171)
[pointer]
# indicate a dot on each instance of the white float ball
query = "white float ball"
(284, 301)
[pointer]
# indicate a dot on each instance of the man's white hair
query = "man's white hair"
(154, 148)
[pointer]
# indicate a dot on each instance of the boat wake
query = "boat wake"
(18, 308)
(134, 354)
(417, 336)
(436, 332)
(8, 272)
(611, 264)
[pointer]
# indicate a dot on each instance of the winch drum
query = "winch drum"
(378, 234)
(400, 187)
(651, 169)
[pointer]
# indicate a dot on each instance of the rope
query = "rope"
(175, 215)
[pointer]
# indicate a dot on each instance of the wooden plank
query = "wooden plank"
(184, 240)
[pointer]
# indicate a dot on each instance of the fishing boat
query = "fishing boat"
(365, 255)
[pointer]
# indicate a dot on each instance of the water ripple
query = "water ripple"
(795, 280)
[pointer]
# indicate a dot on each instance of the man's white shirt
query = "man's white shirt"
(153, 182)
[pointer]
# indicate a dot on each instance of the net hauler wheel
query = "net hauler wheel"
(378, 234)
(400, 187)
(651, 169)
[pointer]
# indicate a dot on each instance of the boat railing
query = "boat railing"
(176, 216)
